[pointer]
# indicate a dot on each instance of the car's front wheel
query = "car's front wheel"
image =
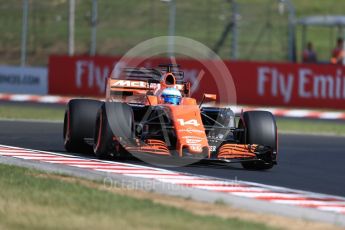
(260, 128)
(114, 127)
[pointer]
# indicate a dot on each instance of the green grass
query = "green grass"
(17, 111)
(30, 199)
(311, 126)
(123, 24)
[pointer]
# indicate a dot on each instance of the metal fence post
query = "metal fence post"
(343, 62)
(291, 39)
(172, 17)
(234, 34)
(24, 32)
(71, 24)
(94, 21)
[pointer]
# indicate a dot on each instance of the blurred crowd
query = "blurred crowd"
(309, 54)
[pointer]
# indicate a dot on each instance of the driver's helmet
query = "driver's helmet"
(171, 96)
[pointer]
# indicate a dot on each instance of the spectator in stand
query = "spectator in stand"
(309, 54)
(338, 52)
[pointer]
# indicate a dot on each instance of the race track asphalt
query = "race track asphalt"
(305, 162)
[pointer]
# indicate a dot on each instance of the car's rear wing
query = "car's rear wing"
(133, 81)
(132, 87)
(150, 74)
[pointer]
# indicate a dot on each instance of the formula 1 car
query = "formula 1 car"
(135, 120)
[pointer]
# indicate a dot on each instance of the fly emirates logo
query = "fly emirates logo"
(308, 84)
(92, 76)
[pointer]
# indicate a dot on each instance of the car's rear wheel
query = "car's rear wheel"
(114, 127)
(260, 129)
(80, 116)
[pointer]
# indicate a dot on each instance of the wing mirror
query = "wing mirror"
(209, 97)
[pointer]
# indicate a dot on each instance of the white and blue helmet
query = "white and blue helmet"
(171, 96)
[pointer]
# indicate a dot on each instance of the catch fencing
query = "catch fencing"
(236, 29)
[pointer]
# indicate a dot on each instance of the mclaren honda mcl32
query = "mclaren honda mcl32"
(150, 112)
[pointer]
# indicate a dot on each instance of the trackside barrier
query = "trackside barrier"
(29, 80)
(257, 83)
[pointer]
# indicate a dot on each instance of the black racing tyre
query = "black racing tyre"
(261, 129)
(79, 120)
(114, 122)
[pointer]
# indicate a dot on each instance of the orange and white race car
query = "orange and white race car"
(149, 112)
